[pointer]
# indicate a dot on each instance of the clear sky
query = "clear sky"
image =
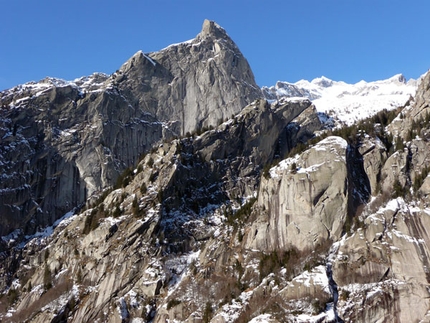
(347, 40)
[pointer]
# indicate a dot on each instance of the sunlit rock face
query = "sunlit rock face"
(63, 141)
(193, 84)
(304, 199)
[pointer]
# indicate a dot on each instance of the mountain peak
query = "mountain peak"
(322, 81)
(398, 78)
(348, 102)
(211, 28)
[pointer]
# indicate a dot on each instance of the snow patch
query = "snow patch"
(177, 266)
(40, 236)
(317, 276)
(263, 318)
(122, 309)
(149, 59)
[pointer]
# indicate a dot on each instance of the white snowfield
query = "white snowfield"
(348, 103)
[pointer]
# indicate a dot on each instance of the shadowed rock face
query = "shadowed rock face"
(228, 159)
(63, 141)
(61, 144)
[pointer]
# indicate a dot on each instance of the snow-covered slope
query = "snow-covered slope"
(347, 102)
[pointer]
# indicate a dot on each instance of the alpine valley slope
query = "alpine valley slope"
(238, 223)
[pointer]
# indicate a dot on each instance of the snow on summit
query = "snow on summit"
(345, 102)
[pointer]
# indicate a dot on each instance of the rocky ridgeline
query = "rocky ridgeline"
(347, 104)
(64, 141)
(238, 222)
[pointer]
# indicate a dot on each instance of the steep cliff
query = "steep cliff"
(60, 144)
(304, 200)
(191, 85)
(64, 141)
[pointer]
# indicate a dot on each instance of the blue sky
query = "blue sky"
(283, 40)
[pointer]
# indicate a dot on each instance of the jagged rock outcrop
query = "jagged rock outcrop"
(229, 159)
(415, 112)
(60, 145)
(303, 201)
(301, 128)
(422, 97)
(374, 154)
(191, 85)
(388, 257)
(63, 141)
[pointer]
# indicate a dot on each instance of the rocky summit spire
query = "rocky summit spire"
(193, 84)
(211, 28)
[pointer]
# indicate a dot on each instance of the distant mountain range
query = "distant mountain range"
(347, 103)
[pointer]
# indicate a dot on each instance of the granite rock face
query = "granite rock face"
(304, 200)
(61, 144)
(387, 257)
(64, 141)
(191, 85)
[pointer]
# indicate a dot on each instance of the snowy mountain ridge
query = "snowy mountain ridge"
(348, 103)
